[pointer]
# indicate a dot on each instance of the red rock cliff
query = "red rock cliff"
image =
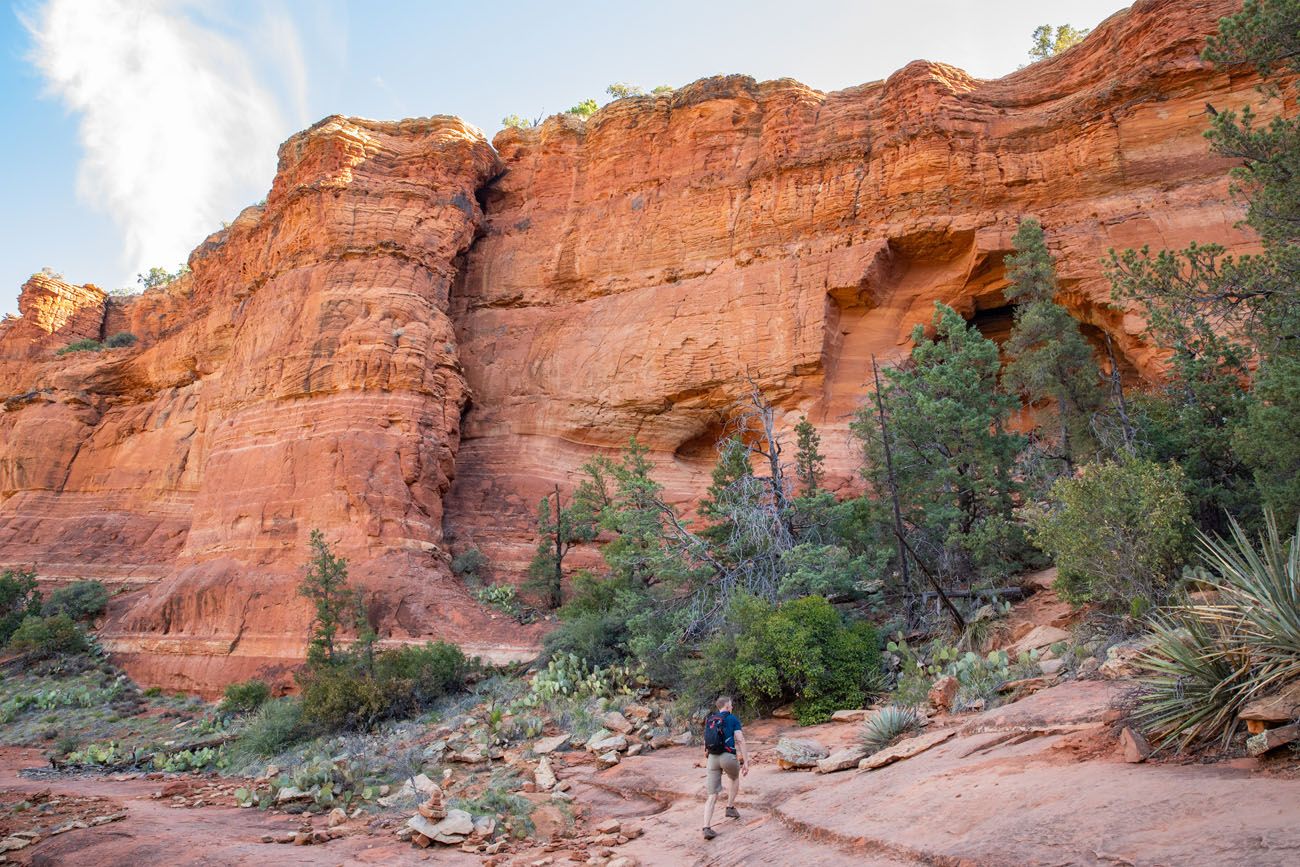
(418, 335)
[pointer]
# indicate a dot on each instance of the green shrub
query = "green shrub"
(417, 676)
(120, 339)
(887, 725)
(84, 345)
(245, 697)
(802, 651)
(275, 727)
(353, 695)
(82, 600)
(1117, 532)
(19, 599)
(471, 566)
(586, 108)
(46, 637)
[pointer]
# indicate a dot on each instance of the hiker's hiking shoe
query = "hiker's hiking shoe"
(733, 813)
(709, 833)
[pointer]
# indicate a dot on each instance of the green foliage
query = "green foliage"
(502, 597)
(19, 599)
(83, 345)
(1048, 42)
(586, 108)
(622, 90)
(952, 452)
(81, 600)
(559, 528)
(809, 462)
(662, 89)
(1117, 532)
(1050, 358)
(471, 566)
(801, 651)
(887, 725)
(416, 676)
(156, 276)
(276, 726)
(245, 697)
(499, 800)
(48, 637)
(337, 605)
(514, 121)
(828, 570)
(120, 339)
(339, 698)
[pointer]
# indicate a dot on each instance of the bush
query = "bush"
(85, 345)
(471, 566)
(245, 697)
(586, 108)
(1117, 532)
(802, 651)
(19, 599)
(120, 339)
(46, 637)
(82, 600)
(273, 729)
(502, 597)
(351, 695)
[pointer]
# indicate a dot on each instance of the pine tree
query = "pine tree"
(1050, 358)
(808, 461)
(559, 528)
(337, 604)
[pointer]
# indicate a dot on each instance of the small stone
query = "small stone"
(609, 826)
(421, 840)
(684, 739)
(617, 743)
(784, 712)
(635, 749)
(337, 817)
(1051, 667)
(794, 753)
(608, 759)
(1122, 658)
(616, 722)
(549, 745)
(1136, 748)
(544, 776)
(637, 711)
(943, 692)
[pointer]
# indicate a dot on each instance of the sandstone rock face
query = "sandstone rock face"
(416, 336)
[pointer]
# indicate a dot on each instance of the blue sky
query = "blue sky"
(136, 126)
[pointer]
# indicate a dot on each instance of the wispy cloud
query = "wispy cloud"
(177, 128)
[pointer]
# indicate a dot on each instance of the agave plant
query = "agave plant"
(888, 724)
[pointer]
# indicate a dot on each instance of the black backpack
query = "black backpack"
(715, 734)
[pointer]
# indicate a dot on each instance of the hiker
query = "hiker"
(724, 743)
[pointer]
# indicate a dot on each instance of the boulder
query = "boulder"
(906, 749)
(617, 743)
(943, 692)
(684, 739)
(337, 817)
(854, 715)
(842, 759)
(608, 760)
(609, 826)
(545, 746)
(1274, 710)
(785, 711)
(1051, 667)
(458, 825)
(1136, 749)
(484, 827)
(292, 795)
(638, 712)
(794, 753)
(616, 722)
(471, 756)
(544, 776)
(1121, 659)
(1038, 637)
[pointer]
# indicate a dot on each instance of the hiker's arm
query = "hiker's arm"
(742, 750)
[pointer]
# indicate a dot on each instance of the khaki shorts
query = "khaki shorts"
(719, 764)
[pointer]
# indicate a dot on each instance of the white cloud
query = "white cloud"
(178, 132)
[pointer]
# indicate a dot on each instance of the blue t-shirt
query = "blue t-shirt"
(730, 725)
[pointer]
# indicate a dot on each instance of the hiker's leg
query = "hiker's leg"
(713, 785)
(708, 810)
(733, 789)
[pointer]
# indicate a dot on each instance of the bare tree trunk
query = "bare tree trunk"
(1117, 387)
(889, 472)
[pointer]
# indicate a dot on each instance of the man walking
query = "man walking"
(724, 743)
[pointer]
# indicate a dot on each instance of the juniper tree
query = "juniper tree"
(559, 528)
(1051, 360)
(337, 605)
(809, 463)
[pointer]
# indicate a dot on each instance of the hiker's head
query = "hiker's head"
(724, 702)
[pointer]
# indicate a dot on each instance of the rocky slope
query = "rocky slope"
(418, 334)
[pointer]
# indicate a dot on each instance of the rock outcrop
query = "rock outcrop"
(418, 334)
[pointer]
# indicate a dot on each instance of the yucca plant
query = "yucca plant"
(1260, 597)
(888, 724)
(1198, 677)
(1207, 661)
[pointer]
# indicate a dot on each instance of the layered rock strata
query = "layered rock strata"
(418, 334)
